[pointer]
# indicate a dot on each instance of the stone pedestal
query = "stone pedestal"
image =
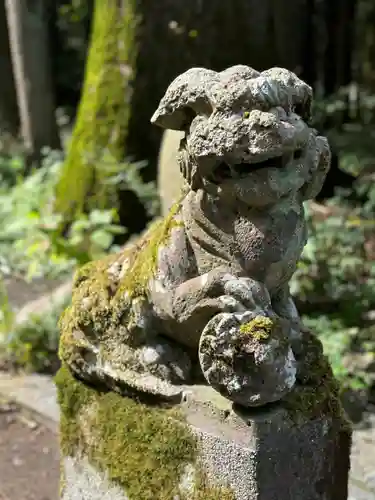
(118, 448)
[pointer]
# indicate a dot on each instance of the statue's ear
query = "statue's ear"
(301, 93)
(185, 97)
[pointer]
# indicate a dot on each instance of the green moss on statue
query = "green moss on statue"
(136, 280)
(260, 328)
(103, 115)
(317, 392)
(99, 305)
(142, 448)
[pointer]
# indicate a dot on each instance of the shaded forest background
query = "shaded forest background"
(329, 44)
(78, 156)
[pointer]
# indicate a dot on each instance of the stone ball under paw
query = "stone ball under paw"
(247, 358)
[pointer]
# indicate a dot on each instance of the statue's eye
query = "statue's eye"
(297, 154)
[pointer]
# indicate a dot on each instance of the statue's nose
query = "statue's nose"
(285, 131)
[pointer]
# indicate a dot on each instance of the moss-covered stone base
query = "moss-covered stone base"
(143, 449)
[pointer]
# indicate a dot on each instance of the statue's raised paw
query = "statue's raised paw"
(252, 294)
(247, 357)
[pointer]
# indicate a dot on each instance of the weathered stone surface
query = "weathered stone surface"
(82, 481)
(17, 388)
(203, 298)
(228, 246)
(272, 372)
(269, 457)
(226, 453)
(206, 92)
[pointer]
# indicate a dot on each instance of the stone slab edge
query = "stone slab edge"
(34, 393)
(43, 303)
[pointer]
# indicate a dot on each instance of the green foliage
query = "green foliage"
(340, 342)
(350, 105)
(348, 119)
(33, 345)
(6, 313)
(32, 246)
(334, 264)
(125, 175)
(10, 170)
(30, 241)
(335, 279)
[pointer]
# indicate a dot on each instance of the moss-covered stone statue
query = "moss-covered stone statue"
(203, 296)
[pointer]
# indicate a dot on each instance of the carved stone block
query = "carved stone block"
(117, 448)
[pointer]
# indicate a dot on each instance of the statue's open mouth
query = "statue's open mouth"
(224, 170)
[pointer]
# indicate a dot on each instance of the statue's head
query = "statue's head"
(244, 130)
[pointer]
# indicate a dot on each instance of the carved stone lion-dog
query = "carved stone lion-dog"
(204, 293)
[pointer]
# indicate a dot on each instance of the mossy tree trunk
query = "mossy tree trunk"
(137, 48)
(100, 132)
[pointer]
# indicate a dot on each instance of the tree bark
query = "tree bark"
(338, 20)
(9, 118)
(365, 34)
(28, 33)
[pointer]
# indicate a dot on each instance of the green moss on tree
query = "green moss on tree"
(102, 121)
(142, 448)
(317, 392)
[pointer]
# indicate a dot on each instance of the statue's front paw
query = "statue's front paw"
(252, 294)
(247, 357)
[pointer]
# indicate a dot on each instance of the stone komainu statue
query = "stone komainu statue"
(203, 295)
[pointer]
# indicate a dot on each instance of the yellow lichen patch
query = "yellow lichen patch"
(142, 448)
(104, 111)
(260, 328)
